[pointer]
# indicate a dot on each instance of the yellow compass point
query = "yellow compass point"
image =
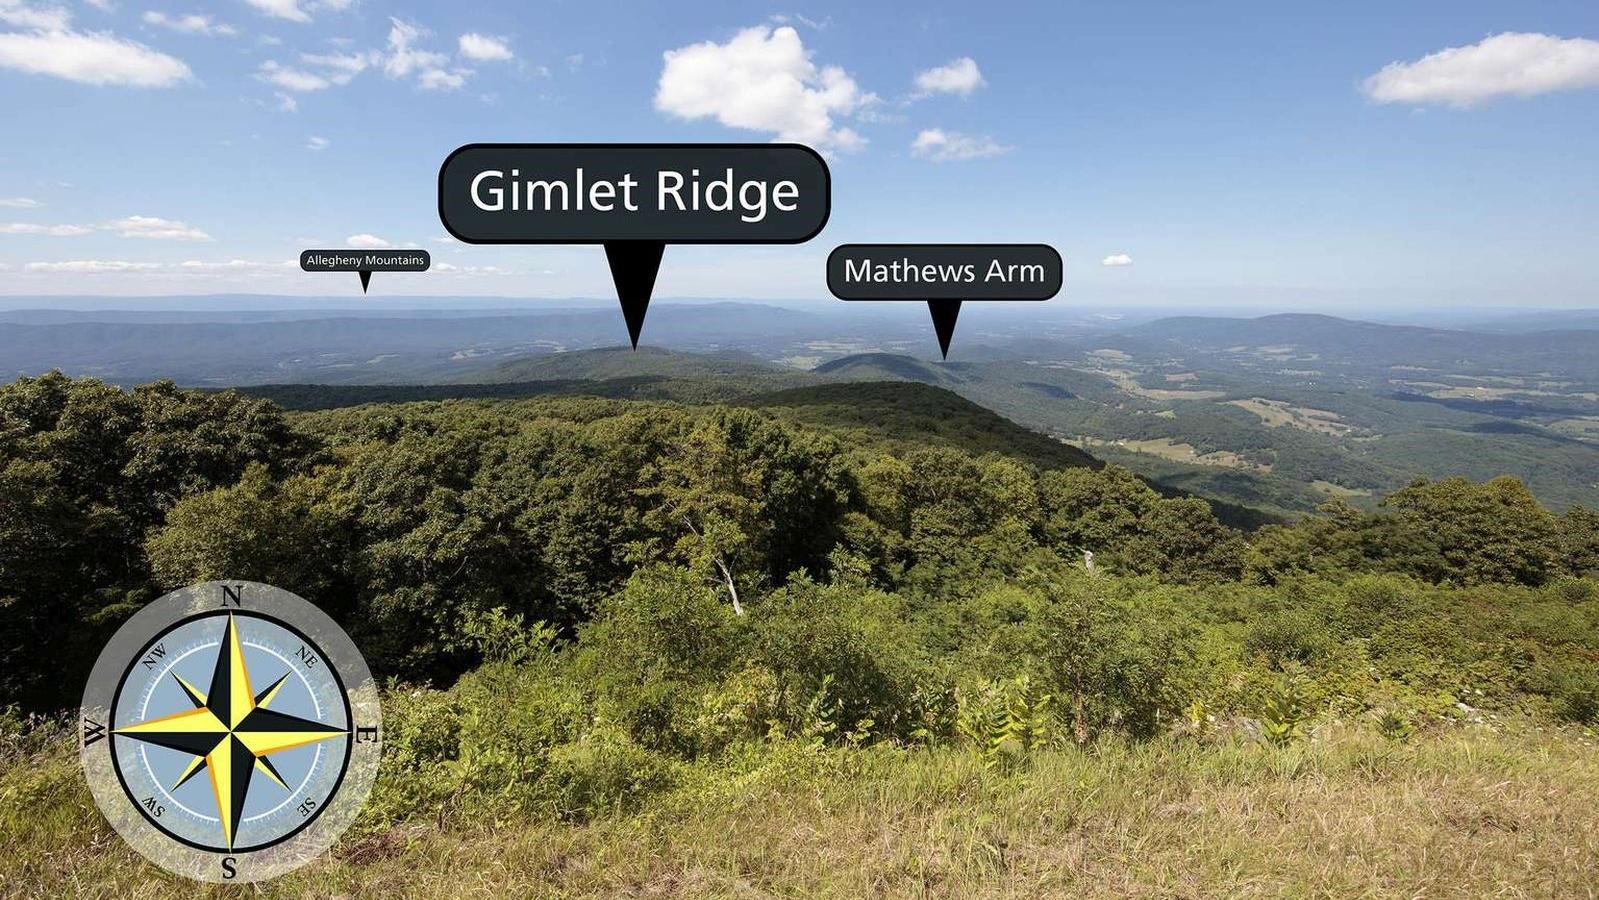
(190, 721)
(219, 764)
(265, 743)
(241, 699)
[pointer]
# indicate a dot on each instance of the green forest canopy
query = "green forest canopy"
(882, 574)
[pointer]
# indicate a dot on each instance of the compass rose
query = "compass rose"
(230, 732)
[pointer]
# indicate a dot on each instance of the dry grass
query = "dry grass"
(1176, 451)
(1468, 814)
(1278, 413)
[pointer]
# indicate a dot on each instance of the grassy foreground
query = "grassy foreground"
(1469, 813)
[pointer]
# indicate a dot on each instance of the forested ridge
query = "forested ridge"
(577, 603)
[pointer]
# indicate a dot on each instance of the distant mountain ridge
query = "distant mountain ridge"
(623, 362)
(1372, 345)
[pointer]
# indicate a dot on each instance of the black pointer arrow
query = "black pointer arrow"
(366, 278)
(945, 312)
(634, 265)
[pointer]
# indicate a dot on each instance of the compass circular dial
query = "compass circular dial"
(230, 731)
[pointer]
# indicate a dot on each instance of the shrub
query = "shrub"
(848, 643)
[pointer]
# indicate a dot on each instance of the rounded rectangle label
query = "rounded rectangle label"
(365, 260)
(945, 272)
(605, 193)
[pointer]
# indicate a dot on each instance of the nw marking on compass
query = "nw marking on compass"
(231, 732)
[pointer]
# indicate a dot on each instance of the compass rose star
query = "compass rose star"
(230, 732)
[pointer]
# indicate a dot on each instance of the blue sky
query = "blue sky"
(1244, 153)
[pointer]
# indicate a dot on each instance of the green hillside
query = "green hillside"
(623, 362)
(902, 415)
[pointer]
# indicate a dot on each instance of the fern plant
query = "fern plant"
(1395, 726)
(1284, 716)
(1007, 720)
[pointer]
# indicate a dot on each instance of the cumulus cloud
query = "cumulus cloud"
(130, 226)
(18, 202)
(484, 47)
(291, 79)
(952, 146)
(297, 10)
(44, 18)
(156, 228)
(338, 68)
(442, 79)
(316, 143)
(469, 270)
(762, 79)
(193, 23)
(99, 59)
(1517, 64)
(404, 58)
(316, 72)
(196, 266)
(286, 103)
(960, 76)
(91, 266)
(367, 242)
(52, 230)
(120, 266)
(282, 9)
(1117, 259)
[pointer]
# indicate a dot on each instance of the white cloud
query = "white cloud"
(442, 79)
(156, 228)
(130, 226)
(960, 76)
(468, 270)
(339, 68)
(102, 5)
(786, 18)
(316, 143)
(484, 47)
(404, 57)
(952, 146)
(19, 203)
(195, 266)
(90, 266)
(297, 10)
(193, 23)
(97, 58)
(1518, 64)
(291, 79)
(282, 9)
(1117, 259)
(367, 242)
(20, 14)
(119, 266)
(320, 72)
(762, 79)
(52, 230)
